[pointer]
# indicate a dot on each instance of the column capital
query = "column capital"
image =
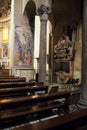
(43, 12)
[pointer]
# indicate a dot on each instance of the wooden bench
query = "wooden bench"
(72, 121)
(6, 77)
(21, 91)
(18, 108)
(15, 84)
(14, 79)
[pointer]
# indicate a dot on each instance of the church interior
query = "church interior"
(43, 73)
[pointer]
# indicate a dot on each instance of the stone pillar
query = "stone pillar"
(83, 97)
(43, 11)
(12, 35)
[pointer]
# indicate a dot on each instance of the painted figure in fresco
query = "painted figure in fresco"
(18, 50)
(24, 43)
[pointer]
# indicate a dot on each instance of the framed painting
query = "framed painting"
(5, 51)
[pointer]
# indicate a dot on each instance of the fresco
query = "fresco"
(23, 46)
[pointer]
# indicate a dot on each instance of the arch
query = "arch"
(30, 11)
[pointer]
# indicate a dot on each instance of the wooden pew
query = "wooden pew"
(6, 77)
(14, 79)
(16, 108)
(72, 121)
(21, 91)
(16, 84)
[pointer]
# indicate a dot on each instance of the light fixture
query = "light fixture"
(5, 34)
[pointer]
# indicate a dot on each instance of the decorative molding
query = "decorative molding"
(5, 8)
(43, 10)
(7, 19)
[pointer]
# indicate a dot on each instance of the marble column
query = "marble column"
(43, 11)
(83, 97)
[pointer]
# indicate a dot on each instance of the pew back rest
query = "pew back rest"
(15, 108)
(18, 91)
(14, 79)
(16, 84)
(32, 100)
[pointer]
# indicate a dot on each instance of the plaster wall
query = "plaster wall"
(19, 7)
(18, 12)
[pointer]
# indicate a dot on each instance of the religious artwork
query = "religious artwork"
(64, 53)
(5, 64)
(64, 49)
(23, 46)
(5, 51)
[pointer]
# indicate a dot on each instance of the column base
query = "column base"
(82, 104)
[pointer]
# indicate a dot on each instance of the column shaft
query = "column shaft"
(83, 97)
(42, 54)
(43, 11)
